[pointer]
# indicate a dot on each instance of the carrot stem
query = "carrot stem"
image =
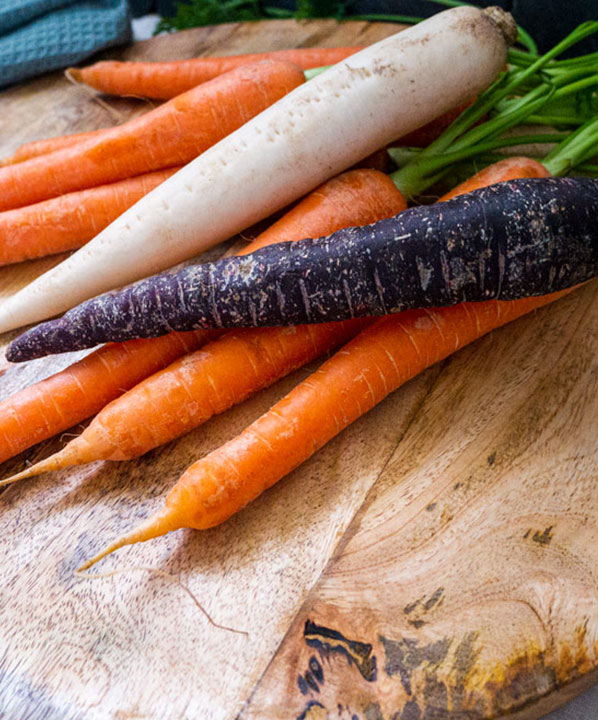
(417, 175)
(401, 155)
(575, 149)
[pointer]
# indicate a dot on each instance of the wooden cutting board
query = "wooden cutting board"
(438, 560)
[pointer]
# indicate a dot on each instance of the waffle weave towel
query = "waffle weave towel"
(37, 36)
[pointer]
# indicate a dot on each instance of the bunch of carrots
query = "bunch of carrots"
(57, 194)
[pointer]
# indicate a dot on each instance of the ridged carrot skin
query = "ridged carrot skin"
(525, 237)
(378, 361)
(165, 521)
(331, 122)
(57, 403)
(35, 148)
(225, 372)
(164, 80)
(501, 171)
(171, 134)
(69, 221)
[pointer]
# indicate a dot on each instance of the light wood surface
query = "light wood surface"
(439, 559)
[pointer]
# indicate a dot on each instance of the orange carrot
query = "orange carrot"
(378, 160)
(382, 357)
(172, 134)
(509, 169)
(44, 147)
(65, 399)
(379, 360)
(164, 80)
(69, 221)
(357, 197)
(225, 372)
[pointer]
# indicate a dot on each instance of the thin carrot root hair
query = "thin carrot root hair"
(82, 575)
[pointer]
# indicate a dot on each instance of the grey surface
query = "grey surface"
(584, 707)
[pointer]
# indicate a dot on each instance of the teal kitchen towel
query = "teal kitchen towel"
(37, 36)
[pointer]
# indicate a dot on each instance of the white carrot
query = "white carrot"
(316, 131)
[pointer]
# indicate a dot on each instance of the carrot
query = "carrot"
(501, 171)
(418, 138)
(389, 348)
(329, 123)
(69, 397)
(69, 221)
(378, 361)
(172, 134)
(86, 387)
(44, 147)
(506, 241)
(225, 372)
(164, 80)
(409, 326)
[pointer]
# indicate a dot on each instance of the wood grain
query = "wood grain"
(466, 585)
(436, 560)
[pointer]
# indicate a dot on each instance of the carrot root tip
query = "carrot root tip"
(23, 475)
(155, 526)
(69, 456)
(74, 75)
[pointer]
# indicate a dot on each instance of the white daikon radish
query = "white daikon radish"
(313, 133)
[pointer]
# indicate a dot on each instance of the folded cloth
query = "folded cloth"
(37, 36)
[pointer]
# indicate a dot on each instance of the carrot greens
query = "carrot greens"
(543, 81)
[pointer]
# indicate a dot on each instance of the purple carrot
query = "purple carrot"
(508, 241)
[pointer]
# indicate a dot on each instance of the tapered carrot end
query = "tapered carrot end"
(74, 75)
(70, 455)
(54, 462)
(163, 522)
(108, 550)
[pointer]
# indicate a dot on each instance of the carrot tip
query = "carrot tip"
(29, 472)
(155, 526)
(73, 75)
(70, 455)
(109, 549)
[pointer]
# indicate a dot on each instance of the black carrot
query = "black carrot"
(511, 240)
